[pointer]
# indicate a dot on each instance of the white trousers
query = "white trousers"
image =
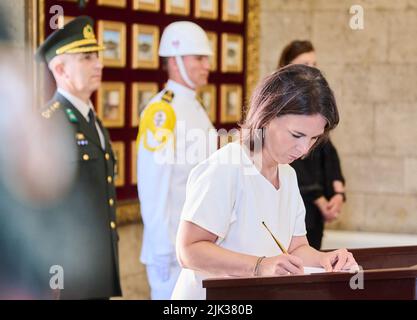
(162, 279)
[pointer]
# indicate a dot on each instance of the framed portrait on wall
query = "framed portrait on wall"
(145, 40)
(113, 36)
(133, 163)
(142, 92)
(223, 139)
(226, 137)
(147, 5)
(207, 9)
(230, 103)
(232, 53)
(112, 3)
(208, 97)
(119, 153)
(212, 36)
(111, 104)
(178, 7)
(63, 20)
(232, 10)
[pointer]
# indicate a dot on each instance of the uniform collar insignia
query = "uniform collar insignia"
(71, 115)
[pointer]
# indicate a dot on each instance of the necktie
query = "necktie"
(91, 118)
(92, 123)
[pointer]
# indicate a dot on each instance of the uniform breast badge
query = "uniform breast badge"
(81, 140)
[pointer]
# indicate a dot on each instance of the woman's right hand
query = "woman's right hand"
(326, 209)
(281, 265)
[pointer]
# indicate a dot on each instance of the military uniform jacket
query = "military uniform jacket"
(168, 148)
(83, 224)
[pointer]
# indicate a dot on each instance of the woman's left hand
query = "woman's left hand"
(337, 260)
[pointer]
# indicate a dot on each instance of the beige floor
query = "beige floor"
(133, 274)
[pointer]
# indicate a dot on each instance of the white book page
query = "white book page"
(310, 270)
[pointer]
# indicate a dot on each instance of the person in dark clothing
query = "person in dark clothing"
(85, 220)
(319, 174)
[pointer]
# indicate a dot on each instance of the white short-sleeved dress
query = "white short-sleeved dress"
(228, 196)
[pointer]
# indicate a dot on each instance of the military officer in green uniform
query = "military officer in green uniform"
(85, 238)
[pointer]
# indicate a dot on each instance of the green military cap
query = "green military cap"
(76, 36)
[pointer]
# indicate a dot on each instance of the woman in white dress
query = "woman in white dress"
(243, 184)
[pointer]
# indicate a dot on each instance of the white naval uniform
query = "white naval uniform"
(161, 187)
(228, 196)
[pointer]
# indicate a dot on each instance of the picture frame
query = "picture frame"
(145, 42)
(206, 9)
(112, 3)
(232, 53)
(208, 97)
(68, 19)
(230, 103)
(63, 20)
(212, 37)
(225, 137)
(113, 36)
(142, 92)
(111, 104)
(232, 11)
(147, 5)
(178, 7)
(119, 153)
(133, 163)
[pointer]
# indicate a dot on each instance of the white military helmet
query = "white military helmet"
(184, 38)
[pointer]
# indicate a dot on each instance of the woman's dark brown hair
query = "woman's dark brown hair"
(295, 89)
(293, 50)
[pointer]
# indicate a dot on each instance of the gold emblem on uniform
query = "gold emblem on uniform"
(88, 32)
(46, 114)
(168, 96)
(81, 140)
(52, 108)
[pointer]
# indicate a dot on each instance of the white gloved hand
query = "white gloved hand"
(162, 265)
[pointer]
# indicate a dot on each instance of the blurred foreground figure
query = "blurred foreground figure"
(33, 175)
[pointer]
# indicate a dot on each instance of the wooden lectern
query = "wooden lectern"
(388, 273)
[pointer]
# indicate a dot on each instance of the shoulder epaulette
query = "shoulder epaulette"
(158, 120)
(51, 110)
(168, 96)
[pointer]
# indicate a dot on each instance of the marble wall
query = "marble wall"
(373, 72)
